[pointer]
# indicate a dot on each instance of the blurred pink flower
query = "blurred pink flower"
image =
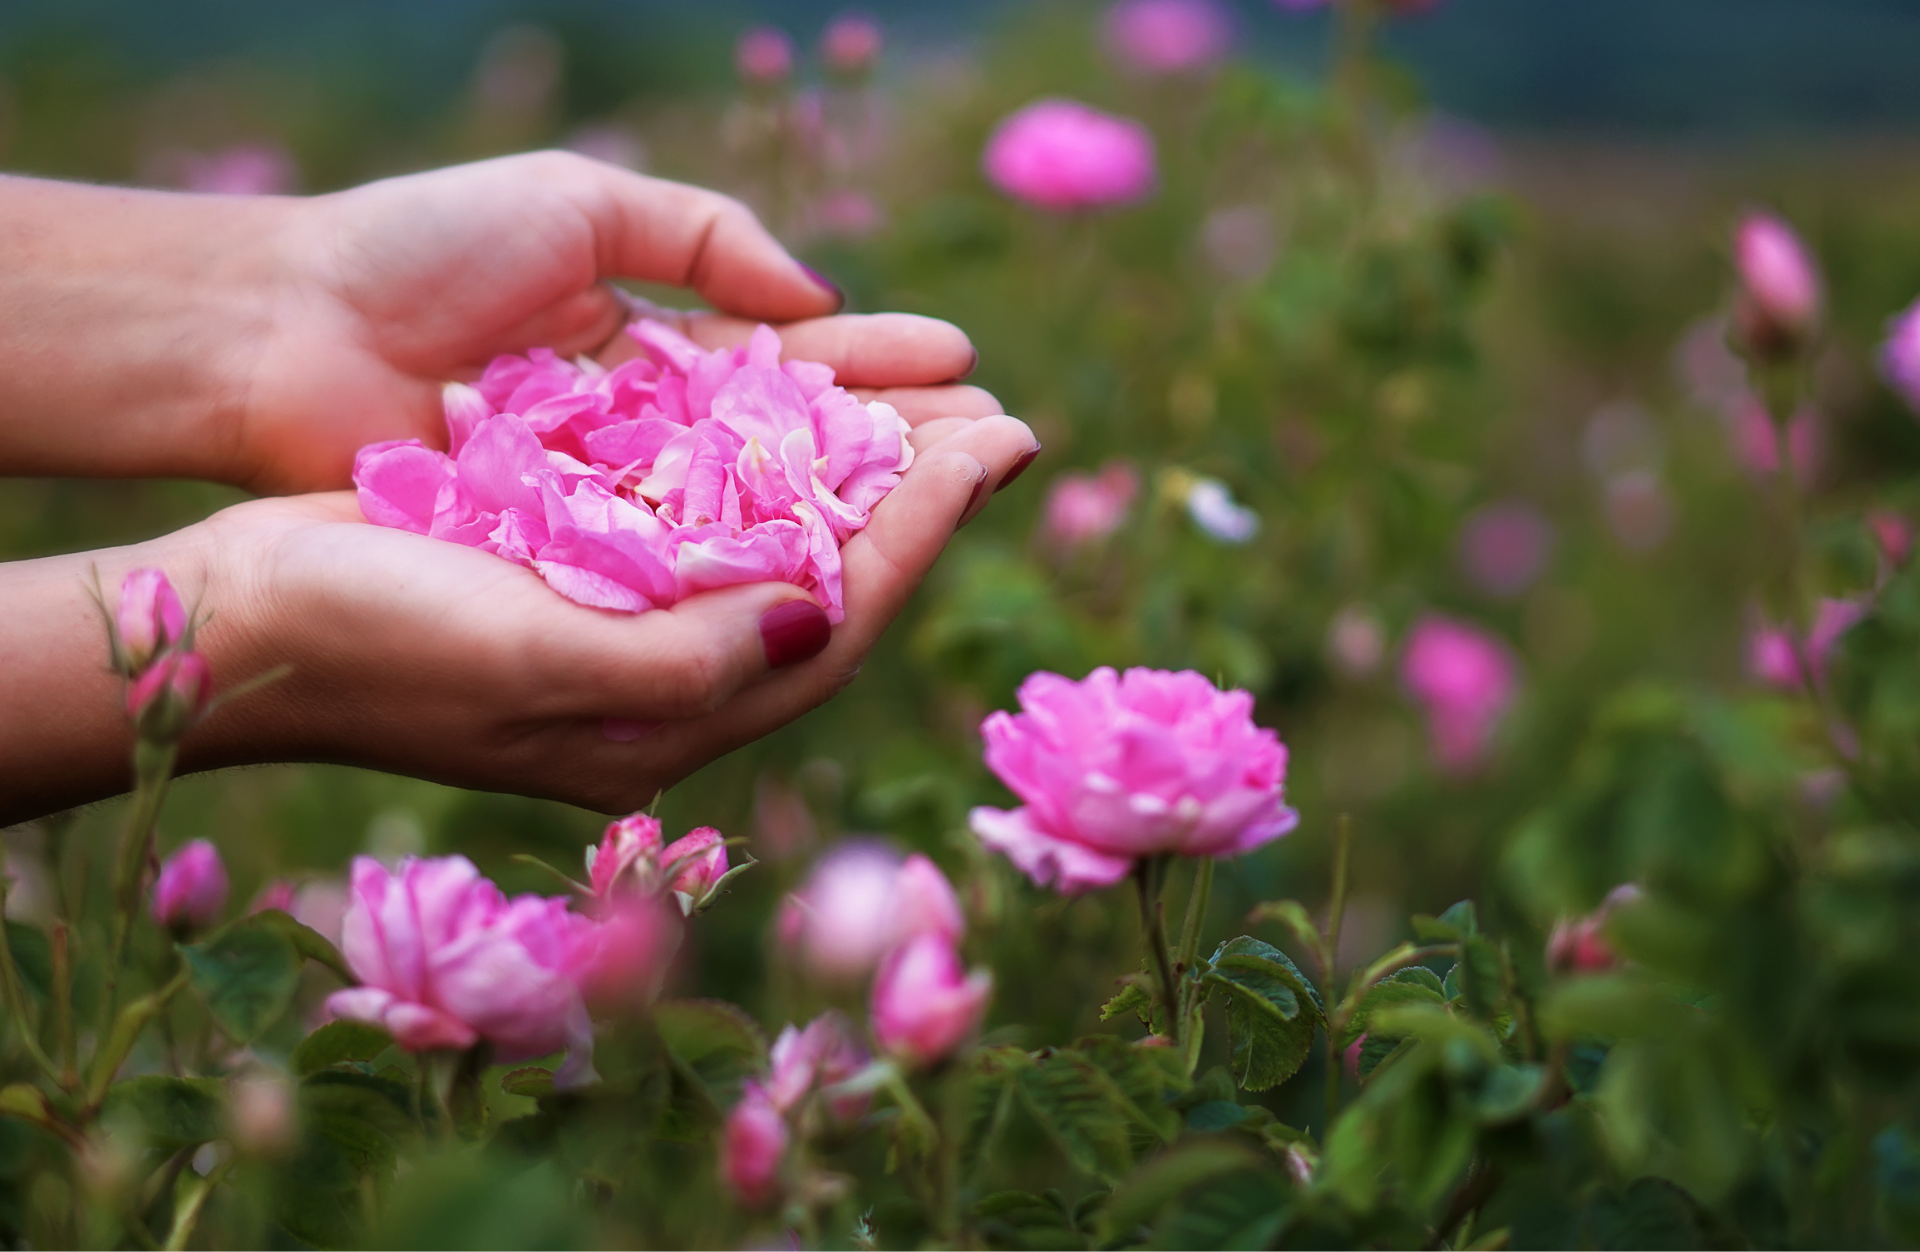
(1063, 156)
(1775, 661)
(623, 956)
(1356, 641)
(674, 473)
(247, 169)
(752, 1147)
(1118, 767)
(847, 214)
(851, 44)
(1167, 36)
(826, 1053)
(1465, 679)
(1900, 355)
(1714, 377)
(1771, 659)
(1779, 283)
(1086, 508)
(1892, 534)
(191, 889)
(861, 901)
(924, 1003)
(763, 55)
(1756, 440)
(446, 960)
(1638, 509)
(1504, 547)
(261, 1117)
(149, 617)
(1580, 946)
(170, 696)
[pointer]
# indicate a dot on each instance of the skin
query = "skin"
(262, 342)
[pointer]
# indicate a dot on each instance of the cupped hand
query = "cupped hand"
(420, 657)
(384, 292)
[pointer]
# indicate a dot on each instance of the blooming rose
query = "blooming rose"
(446, 960)
(861, 901)
(149, 618)
(1900, 355)
(1063, 156)
(1167, 36)
(191, 889)
(1465, 678)
(1119, 767)
(671, 474)
(924, 1004)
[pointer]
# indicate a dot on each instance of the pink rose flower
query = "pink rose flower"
(149, 618)
(632, 861)
(1504, 547)
(191, 889)
(924, 1004)
(674, 473)
(1900, 355)
(170, 696)
(1465, 679)
(827, 1052)
(763, 55)
(1118, 767)
(752, 1147)
(851, 45)
(861, 901)
(446, 960)
(1774, 660)
(1063, 156)
(278, 894)
(1082, 509)
(1892, 534)
(1779, 284)
(623, 956)
(1580, 946)
(1168, 36)
(697, 880)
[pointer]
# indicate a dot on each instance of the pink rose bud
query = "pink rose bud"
(826, 1053)
(1772, 660)
(1900, 355)
(1756, 442)
(1117, 767)
(445, 960)
(695, 883)
(1779, 285)
(1157, 37)
(625, 954)
(1063, 156)
(851, 45)
(1504, 547)
(861, 901)
(1892, 534)
(626, 857)
(191, 889)
(1581, 946)
(1464, 678)
(763, 56)
(260, 1111)
(1082, 509)
(924, 1004)
(150, 618)
(1352, 1056)
(279, 894)
(752, 1148)
(170, 696)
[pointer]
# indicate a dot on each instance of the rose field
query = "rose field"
(1427, 754)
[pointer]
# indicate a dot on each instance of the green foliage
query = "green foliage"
(246, 976)
(1272, 1011)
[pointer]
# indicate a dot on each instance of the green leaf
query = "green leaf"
(338, 1043)
(1133, 998)
(1508, 1093)
(1272, 1010)
(703, 1031)
(990, 1101)
(308, 942)
(531, 1081)
(1150, 1078)
(32, 956)
(246, 976)
(1407, 986)
(1082, 1109)
(1245, 1208)
(172, 1112)
(1459, 922)
(1140, 1198)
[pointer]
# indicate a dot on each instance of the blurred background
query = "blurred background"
(1455, 348)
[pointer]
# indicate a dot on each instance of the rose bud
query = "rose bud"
(851, 45)
(1065, 157)
(191, 889)
(763, 56)
(1892, 534)
(1580, 946)
(824, 1054)
(696, 882)
(924, 1004)
(150, 618)
(171, 695)
(752, 1148)
(1900, 355)
(260, 1111)
(1779, 286)
(626, 856)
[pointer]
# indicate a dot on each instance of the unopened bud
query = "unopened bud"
(1779, 287)
(694, 885)
(149, 618)
(167, 699)
(1580, 946)
(851, 45)
(191, 889)
(752, 1148)
(260, 1108)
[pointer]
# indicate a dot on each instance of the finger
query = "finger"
(666, 232)
(928, 435)
(580, 323)
(923, 404)
(681, 662)
(864, 349)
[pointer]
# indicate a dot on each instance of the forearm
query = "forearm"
(127, 319)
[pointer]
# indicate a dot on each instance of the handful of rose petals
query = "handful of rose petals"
(631, 488)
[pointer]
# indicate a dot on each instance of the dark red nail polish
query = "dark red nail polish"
(973, 501)
(1019, 467)
(821, 280)
(793, 632)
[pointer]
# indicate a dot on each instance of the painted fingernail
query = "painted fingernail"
(793, 632)
(967, 373)
(973, 501)
(822, 281)
(1019, 467)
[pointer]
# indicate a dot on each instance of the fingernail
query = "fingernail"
(973, 501)
(967, 373)
(821, 280)
(1019, 467)
(794, 631)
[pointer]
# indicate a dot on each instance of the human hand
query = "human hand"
(386, 291)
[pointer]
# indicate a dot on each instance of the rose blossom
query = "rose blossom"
(1118, 767)
(1465, 679)
(149, 618)
(1900, 355)
(924, 1003)
(1774, 660)
(1167, 36)
(632, 488)
(862, 900)
(1580, 946)
(763, 55)
(1064, 156)
(851, 44)
(191, 889)
(752, 1146)
(631, 859)
(1779, 284)
(623, 956)
(827, 1052)
(1086, 508)
(445, 960)
(172, 694)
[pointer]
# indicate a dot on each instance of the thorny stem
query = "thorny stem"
(1330, 952)
(1149, 876)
